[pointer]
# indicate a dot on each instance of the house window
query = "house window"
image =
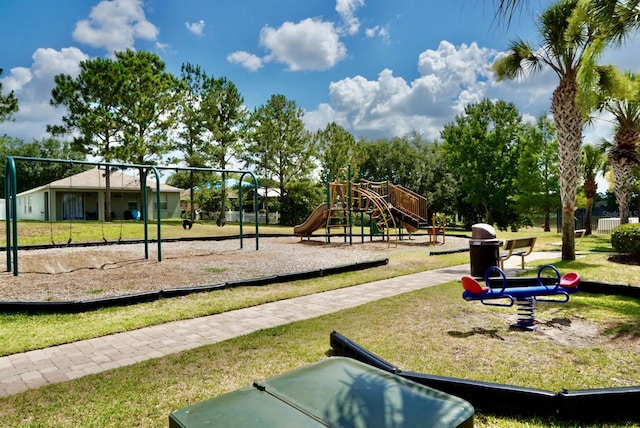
(163, 202)
(28, 204)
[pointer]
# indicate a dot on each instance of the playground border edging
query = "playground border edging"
(132, 299)
(591, 405)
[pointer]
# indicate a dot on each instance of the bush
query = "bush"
(626, 238)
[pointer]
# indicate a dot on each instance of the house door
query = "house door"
(72, 206)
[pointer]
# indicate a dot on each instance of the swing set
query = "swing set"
(11, 207)
(69, 211)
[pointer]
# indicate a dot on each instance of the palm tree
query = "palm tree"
(563, 50)
(625, 12)
(594, 162)
(619, 94)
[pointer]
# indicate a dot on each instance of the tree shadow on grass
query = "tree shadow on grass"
(492, 333)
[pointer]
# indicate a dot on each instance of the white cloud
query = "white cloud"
(115, 25)
(346, 10)
(318, 119)
(310, 44)
(378, 31)
(162, 46)
(247, 60)
(196, 28)
(32, 87)
(454, 64)
(18, 77)
(450, 77)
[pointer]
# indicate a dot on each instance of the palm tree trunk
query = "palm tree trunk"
(590, 188)
(547, 221)
(569, 121)
(624, 160)
(623, 179)
(587, 216)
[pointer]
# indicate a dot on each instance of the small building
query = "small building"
(80, 196)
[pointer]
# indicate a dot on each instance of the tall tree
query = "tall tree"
(8, 104)
(225, 118)
(148, 100)
(436, 180)
(392, 159)
(190, 119)
(563, 49)
(537, 180)
(278, 145)
(594, 162)
(483, 144)
(93, 111)
(337, 149)
(619, 94)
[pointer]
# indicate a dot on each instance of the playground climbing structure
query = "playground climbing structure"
(388, 208)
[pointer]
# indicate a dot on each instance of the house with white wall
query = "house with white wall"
(83, 197)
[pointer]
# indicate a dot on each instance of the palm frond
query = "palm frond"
(618, 18)
(505, 9)
(519, 60)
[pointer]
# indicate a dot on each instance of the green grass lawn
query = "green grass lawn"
(431, 330)
(43, 233)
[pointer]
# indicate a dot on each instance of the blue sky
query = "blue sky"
(379, 68)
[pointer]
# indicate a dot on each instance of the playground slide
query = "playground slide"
(409, 227)
(316, 220)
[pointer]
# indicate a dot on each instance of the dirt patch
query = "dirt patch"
(571, 332)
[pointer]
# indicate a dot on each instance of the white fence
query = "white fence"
(234, 216)
(606, 225)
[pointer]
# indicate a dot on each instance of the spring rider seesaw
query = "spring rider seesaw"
(524, 296)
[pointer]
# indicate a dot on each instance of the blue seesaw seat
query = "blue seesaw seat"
(563, 286)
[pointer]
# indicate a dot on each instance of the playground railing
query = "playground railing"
(408, 201)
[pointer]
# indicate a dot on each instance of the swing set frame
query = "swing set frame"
(11, 208)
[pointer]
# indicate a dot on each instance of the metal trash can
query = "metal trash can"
(484, 249)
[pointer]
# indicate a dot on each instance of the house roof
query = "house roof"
(95, 179)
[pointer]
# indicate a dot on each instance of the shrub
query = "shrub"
(626, 238)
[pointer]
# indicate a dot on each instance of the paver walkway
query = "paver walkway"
(33, 369)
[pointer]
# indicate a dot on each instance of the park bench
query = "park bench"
(578, 234)
(517, 247)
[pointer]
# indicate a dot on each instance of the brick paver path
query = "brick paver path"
(33, 369)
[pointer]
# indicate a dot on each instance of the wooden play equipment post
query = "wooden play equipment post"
(438, 226)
